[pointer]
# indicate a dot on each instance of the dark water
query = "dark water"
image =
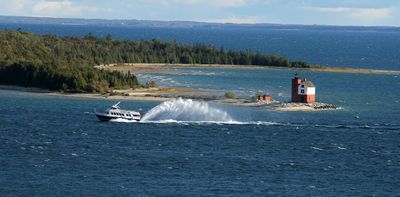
(359, 48)
(55, 146)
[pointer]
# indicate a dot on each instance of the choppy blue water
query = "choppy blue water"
(55, 145)
(368, 95)
(346, 47)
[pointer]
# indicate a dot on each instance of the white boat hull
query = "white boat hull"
(115, 113)
(105, 117)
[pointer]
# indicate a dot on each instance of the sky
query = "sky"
(321, 12)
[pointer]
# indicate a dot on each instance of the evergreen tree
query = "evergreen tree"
(67, 63)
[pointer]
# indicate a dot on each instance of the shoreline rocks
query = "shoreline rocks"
(282, 106)
(305, 106)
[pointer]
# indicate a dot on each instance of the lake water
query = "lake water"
(346, 47)
(56, 146)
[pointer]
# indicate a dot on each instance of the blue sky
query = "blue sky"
(328, 12)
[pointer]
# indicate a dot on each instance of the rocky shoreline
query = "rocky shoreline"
(282, 106)
(306, 106)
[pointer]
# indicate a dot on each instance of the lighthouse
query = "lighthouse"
(303, 90)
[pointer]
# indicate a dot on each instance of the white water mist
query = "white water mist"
(186, 110)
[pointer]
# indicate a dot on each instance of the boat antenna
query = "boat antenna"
(115, 106)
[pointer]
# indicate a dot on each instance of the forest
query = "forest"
(67, 63)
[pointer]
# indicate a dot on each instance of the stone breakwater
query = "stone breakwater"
(304, 106)
(281, 106)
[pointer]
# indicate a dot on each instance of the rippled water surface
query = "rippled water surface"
(55, 145)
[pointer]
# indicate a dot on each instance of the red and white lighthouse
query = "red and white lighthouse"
(303, 90)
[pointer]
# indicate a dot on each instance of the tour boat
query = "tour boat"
(116, 113)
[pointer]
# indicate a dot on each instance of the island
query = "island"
(90, 66)
(68, 63)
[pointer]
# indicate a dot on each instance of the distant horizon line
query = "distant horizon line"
(196, 22)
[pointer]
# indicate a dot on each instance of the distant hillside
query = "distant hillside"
(67, 63)
(180, 24)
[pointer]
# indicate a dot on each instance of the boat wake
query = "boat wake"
(186, 110)
(189, 112)
(211, 122)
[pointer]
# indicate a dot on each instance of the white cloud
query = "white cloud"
(217, 3)
(373, 14)
(14, 6)
(17, 5)
(237, 20)
(360, 14)
(61, 8)
(230, 3)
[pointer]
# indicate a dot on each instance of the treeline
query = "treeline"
(67, 63)
(55, 63)
(71, 79)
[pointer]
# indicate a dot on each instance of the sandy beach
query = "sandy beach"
(164, 68)
(164, 94)
(142, 94)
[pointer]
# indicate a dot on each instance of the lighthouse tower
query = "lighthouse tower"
(295, 88)
(303, 90)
